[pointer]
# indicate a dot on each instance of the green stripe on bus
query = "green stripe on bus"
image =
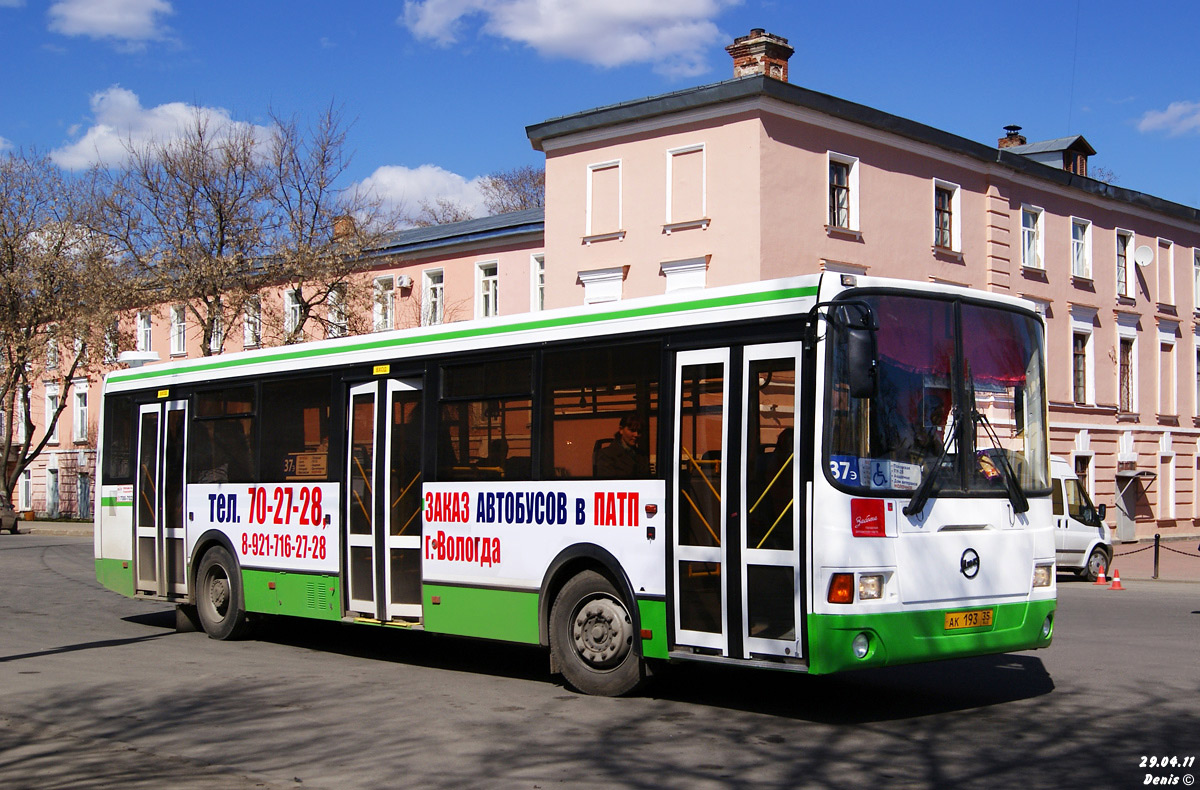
(112, 501)
(116, 575)
(654, 619)
(909, 637)
(301, 353)
(507, 615)
(297, 594)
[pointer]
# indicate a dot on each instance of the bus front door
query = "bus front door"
(738, 572)
(383, 507)
(158, 523)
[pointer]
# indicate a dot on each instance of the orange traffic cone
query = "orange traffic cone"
(1116, 585)
(1100, 577)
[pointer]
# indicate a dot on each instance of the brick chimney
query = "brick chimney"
(1011, 137)
(760, 53)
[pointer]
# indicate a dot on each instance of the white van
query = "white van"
(1082, 539)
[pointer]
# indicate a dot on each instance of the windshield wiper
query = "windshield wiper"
(1015, 494)
(925, 489)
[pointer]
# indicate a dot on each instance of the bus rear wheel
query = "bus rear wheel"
(219, 599)
(592, 638)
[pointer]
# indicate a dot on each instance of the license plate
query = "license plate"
(976, 618)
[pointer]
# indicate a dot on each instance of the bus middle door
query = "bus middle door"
(383, 502)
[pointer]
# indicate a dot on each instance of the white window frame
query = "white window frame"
(1168, 380)
(1167, 267)
(591, 170)
(671, 154)
(537, 282)
(145, 332)
(52, 396)
(25, 491)
(20, 436)
(685, 275)
(216, 342)
(79, 414)
(487, 289)
(1127, 330)
(1196, 289)
(1167, 485)
(383, 306)
(1081, 249)
(1083, 323)
(433, 297)
(291, 311)
(602, 285)
(252, 322)
(956, 217)
(1125, 240)
(112, 343)
(52, 349)
(1039, 238)
(178, 330)
(335, 310)
(852, 215)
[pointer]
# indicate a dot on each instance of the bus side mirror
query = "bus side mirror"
(863, 361)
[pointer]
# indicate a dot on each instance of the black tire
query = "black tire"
(1096, 560)
(592, 638)
(219, 599)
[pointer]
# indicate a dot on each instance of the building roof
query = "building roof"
(759, 86)
(1058, 145)
(513, 225)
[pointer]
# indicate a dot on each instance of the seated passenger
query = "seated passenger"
(621, 458)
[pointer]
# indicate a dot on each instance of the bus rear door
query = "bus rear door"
(158, 523)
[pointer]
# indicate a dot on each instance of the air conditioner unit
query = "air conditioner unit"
(404, 281)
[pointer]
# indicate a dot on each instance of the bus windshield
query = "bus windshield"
(960, 396)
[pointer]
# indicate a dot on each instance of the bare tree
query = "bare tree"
(440, 211)
(58, 291)
(188, 215)
(319, 232)
(514, 190)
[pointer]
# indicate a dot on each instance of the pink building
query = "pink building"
(754, 178)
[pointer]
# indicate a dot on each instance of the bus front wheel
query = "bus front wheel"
(592, 638)
(219, 599)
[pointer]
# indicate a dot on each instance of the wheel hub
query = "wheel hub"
(602, 632)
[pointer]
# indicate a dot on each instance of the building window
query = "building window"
(603, 199)
(947, 216)
(335, 306)
(291, 312)
(1166, 272)
(51, 407)
(178, 330)
(1125, 374)
(1166, 377)
(843, 192)
(383, 309)
(1032, 256)
(216, 340)
(22, 416)
(112, 344)
(1079, 365)
(1124, 245)
(1166, 478)
(52, 350)
(80, 413)
(685, 184)
(144, 332)
(1196, 285)
(1081, 248)
(26, 490)
(487, 288)
(602, 285)
(433, 298)
(252, 323)
(537, 276)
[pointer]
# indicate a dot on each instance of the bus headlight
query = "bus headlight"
(870, 587)
(1043, 575)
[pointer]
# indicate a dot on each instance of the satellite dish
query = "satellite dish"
(1143, 255)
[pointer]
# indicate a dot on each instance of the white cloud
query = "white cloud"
(407, 188)
(128, 21)
(674, 36)
(5, 145)
(1180, 117)
(120, 120)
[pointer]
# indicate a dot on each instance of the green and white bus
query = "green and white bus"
(815, 474)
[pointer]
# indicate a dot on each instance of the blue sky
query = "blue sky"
(440, 91)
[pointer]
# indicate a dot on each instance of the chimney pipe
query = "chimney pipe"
(760, 53)
(1012, 136)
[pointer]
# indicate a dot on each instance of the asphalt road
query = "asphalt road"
(99, 691)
